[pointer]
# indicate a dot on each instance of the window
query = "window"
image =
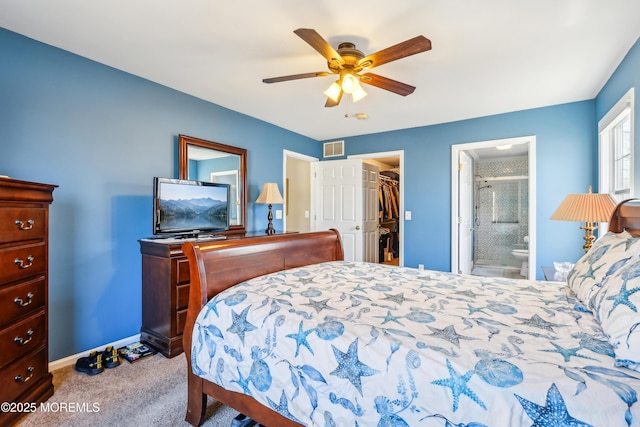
(615, 137)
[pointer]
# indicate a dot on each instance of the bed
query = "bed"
(287, 333)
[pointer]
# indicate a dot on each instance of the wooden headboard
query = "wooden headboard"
(626, 216)
(218, 265)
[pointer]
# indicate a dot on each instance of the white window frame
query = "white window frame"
(622, 110)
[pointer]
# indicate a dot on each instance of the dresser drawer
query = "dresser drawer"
(181, 320)
(22, 337)
(18, 224)
(183, 271)
(17, 377)
(19, 300)
(183, 296)
(22, 261)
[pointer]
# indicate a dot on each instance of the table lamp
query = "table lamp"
(270, 195)
(589, 208)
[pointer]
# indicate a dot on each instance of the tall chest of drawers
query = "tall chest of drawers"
(24, 231)
(165, 295)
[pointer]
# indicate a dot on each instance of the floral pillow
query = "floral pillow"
(607, 255)
(616, 307)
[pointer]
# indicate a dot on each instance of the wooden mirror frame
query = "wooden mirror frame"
(183, 171)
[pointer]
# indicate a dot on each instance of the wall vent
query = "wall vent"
(333, 149)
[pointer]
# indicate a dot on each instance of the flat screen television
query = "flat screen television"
(189, 208)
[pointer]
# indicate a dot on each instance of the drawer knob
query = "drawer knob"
(20, 379)
(21, 341)
(21, 303)
(21, 263)
(22, 226)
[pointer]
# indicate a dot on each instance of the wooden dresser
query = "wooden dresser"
(165, 293)
(24, 230)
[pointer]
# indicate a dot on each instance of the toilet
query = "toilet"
(523, 256)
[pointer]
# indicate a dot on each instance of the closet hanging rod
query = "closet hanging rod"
(386, 178)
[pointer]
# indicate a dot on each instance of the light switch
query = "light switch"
(278, 213)
(407, 215)
(306, 214)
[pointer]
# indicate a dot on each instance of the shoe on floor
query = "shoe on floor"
(241, 420)
(110, 357)
(91, 364)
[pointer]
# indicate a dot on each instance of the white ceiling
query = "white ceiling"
(488, 56)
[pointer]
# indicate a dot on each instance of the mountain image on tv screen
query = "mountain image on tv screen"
(182, 211)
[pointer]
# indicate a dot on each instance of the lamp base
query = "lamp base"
(588, 236)
(270, 230)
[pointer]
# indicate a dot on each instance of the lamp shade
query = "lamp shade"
(270, 195)
(333, 91)
(588, 207)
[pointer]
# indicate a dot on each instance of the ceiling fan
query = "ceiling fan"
(347, 62)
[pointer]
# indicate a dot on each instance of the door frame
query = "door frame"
(400, 154)
(299, 156)
(455, 149)
(466, 229)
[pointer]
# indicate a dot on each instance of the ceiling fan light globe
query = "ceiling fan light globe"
(358, 94)
(333, 91)
(350, 83)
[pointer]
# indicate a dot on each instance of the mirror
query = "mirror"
(202, 160)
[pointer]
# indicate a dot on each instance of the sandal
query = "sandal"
(91, 364)
(110, 357)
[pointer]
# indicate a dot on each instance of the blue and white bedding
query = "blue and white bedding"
(357, 344)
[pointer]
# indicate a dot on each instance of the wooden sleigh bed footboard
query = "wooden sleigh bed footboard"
(216, 266)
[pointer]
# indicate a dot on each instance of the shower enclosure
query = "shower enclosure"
(501, 210)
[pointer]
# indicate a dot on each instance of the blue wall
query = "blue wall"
(565, 144)
(626, 76)
(102, 135)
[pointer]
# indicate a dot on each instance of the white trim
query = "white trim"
(455, 149)
(71, 360)
(627, 101)
(400, 154)
(300, 156)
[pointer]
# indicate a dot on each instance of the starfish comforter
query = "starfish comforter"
(357, 344)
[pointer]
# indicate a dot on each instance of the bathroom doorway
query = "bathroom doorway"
(493, 208)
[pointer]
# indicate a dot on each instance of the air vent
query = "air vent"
(333, 149)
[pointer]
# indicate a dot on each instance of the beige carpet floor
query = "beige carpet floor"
(150, 392)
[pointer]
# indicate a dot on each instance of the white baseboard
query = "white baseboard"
(71, 360)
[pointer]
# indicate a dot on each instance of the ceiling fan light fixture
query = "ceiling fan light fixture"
(348, 61)
(333, 91)
(358, 94)
(350, 83)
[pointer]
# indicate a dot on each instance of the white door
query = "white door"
(370, 212)
(465, 213)
(338, 203)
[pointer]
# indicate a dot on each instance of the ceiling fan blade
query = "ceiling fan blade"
(401, 50)
(316, 41)
(296, 77)
(331, 103)
(387, 84)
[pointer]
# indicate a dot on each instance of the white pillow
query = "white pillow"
(616, 306)
(608, 254)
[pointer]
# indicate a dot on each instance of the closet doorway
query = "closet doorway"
(391, 204)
